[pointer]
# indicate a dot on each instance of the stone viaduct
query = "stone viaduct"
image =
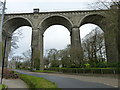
(72, 20)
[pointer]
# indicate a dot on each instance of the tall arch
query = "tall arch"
(96, 19)
(37, 47)
(9, 26)
(55, 20)
(109, 35)
(15, 22)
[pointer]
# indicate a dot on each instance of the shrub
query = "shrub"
(101, 65)
(115, 64)
(7, 73)
(87, 65)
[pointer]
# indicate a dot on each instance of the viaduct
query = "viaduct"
(72, 20)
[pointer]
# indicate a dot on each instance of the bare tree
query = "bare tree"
(17, 60)
(14, 42)
(94, 46)
(53, 57)
(27, 59)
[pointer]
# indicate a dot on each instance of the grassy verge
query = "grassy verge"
(37, 82)
(2, 86)
(45, 71)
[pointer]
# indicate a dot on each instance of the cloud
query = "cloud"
(51, 0)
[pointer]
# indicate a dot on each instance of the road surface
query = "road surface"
(66, 82)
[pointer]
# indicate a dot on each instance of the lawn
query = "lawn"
(2, 86)
(37, 82)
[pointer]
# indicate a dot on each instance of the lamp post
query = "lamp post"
(3, 61)
(1, 27)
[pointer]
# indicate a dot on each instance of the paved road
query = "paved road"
(64, 82)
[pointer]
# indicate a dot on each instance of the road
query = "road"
(66, 82)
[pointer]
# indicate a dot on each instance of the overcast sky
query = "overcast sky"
(56, 36)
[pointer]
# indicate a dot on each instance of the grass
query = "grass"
(2, 86)
(37, 82)
(45, 71)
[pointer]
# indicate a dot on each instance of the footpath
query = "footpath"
(12, 84)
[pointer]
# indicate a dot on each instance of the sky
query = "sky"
(55, 36)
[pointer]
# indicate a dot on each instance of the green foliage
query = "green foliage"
(87, 65)
(115, 64)
(37, 82)
(101, 65)
(55, 63)
(2, 86)
(37, 64)
(44, 71)
(37, 61)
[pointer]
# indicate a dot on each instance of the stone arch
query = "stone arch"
(96, 19)
(55, 20)
(13, 23)
(101, 21)
(43, 25)
(9, 26)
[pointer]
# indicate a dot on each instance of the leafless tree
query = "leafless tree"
(94, 46)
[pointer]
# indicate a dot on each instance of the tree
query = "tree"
(17, 60)
(14, 42)
(27, 59)
(94, 46)
(111, 23)
(65, 57)
(53, 57)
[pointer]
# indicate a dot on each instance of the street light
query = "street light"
(1, 27)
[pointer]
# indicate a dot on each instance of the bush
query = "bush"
(115, 64)
(101, 65)
(7, 73)
(87, 65)
(37, 82)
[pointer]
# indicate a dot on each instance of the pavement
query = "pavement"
(14, 83)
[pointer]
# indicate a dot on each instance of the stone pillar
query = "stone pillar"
(75, 37)
(35, 49)
(7, 51)
(76, 44)
(111, 45)
(41, 51)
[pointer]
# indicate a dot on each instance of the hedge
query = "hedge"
(86, 70)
